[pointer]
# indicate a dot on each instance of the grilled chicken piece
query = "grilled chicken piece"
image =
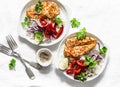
(49, 9)
(31, 13)
(71, 42)
(79, 47)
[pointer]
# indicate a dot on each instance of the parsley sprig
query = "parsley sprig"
(26, 22)
(38, 6)
(12, 64)
(82, 34)
(58, 21)
(103, 50)
(81, 77)
(75, 23)
(38, 36)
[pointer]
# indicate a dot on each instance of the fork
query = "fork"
(8, 51)
(13, 45)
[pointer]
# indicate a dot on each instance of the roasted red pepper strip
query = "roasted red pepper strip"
(77, 71)
(72, 64)
(59, 32)
(43, 21)
(83, 69)
(81, 63)
(47, 32)
(50, 30)
(70, 71)
(54, 30)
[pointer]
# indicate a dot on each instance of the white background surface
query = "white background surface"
(100, 17)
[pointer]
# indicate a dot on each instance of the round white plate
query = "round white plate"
(60, 55)
(63, 14)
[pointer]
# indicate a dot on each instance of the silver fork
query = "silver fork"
(8, 51)
(13, 45)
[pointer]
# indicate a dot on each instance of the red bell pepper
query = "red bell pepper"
(43, 21)
(70, 71)
(59, 32)
(77, 71)
(50, 30)
(81, 63)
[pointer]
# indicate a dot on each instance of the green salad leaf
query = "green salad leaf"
(38, 36)
(58, 21)
(75, 23)
(90, 62)
(12, 64)
(81, 77)
(38, 6)
(26, 22)
(103, 50)
(82, 34)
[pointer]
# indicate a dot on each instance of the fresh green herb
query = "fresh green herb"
(103, 50)
(38, 36)
(81, 77)
(26, 22)
(81, 35)
(86, 63)
(12, 64)
(58, 21)
(90, 62)
(75, 23)
(38, 6)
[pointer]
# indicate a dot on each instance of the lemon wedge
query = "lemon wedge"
(63, 64)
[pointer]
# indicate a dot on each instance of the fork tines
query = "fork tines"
(4, 49)
(11, 42)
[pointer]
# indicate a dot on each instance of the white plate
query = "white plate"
(63, 14)
(61, 55)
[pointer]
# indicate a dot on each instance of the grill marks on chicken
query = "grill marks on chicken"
(75, 48)
(49, 9)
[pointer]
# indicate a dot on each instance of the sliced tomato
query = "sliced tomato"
(81, 63)
(70, 71)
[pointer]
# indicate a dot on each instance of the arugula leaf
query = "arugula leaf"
(75, 23)
(12, 64)
(38, 36)
(81, 35)
(103, 50)
(58, 21)
(26, 22)
(38, 6)
(81, 77)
